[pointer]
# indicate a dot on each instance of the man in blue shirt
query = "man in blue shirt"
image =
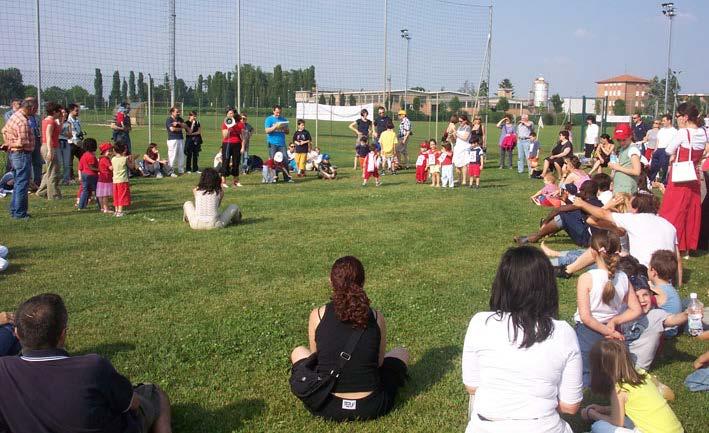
(640, 128)
(276, 129)
(14, 106)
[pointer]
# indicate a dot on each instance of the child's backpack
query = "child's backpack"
(254, 163)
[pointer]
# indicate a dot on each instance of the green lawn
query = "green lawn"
(212, 316)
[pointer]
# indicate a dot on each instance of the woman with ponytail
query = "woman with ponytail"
(602, 296)
(369, 380)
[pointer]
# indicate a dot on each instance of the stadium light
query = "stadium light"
(405, 35)
(668, 10)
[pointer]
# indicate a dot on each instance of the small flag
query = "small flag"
(540, 123)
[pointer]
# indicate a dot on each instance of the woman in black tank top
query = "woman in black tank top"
(369, 381)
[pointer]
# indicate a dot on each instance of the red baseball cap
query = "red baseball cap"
(104, 147)
(622, 131)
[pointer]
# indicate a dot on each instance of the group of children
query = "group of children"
(105, 177)
(432, 163)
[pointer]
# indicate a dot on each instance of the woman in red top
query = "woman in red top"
(231, 146)
(49, 187)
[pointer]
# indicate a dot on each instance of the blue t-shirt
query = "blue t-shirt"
(176, 135)
(276, 138)
(673, 305)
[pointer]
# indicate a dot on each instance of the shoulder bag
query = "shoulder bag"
(312, 387)
(684, 171)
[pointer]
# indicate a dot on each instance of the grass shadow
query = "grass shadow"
(227, 419)
(108, 350)
(249, 221)
(670, 355)
(430, 369)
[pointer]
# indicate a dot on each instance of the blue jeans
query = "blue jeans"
(567, 257)
(244, 161)
(22, 170)
(587, 338)
(65, 159)
(606, 427)
(658, 165)
(88, 185)
(9, 345)
(273, 148)
(522, 155)
(37, 163)
(5, 181)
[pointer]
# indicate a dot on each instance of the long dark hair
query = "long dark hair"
(210, 182)
(525, 287)
(692, 113)
(348, 297)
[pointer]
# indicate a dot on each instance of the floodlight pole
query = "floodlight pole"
(39, 63)
(668, 10)
(150, 109)
(238, 56)
(384, 93)
(172, 53)
(405, 35)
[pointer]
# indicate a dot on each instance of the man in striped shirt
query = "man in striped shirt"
(20, 141)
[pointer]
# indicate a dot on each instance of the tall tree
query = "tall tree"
(199, 89)
(507, 84)
(115, 95)
(132, 95)
(11, 85)
(502, 104)
(656, 94)
(79, 95)
(142, 88)
(124, 90)
(98, 89)
(455, 104)
(556, 103)
(484, 88)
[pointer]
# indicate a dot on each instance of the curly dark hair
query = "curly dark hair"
(210, 181)
(348, 297)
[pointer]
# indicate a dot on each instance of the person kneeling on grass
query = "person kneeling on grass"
(370, 377)
(204, 214)
(47, 390)
(326, 170)
(636, 404)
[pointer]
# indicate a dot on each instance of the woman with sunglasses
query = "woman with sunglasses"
(682, 203)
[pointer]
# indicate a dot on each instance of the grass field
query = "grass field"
(212, 316)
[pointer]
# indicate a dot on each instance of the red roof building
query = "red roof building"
(633, 90)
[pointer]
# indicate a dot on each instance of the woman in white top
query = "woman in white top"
(522, 366)
(204, 214)
(462, 148)
(682, 202)
(602, 297)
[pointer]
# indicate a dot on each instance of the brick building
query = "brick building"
(633, 90)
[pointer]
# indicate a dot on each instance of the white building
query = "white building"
(541, 92)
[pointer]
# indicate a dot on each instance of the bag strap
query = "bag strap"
(346, 353)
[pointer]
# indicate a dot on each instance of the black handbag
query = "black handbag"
(313, 388)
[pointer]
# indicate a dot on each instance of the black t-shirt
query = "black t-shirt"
(363, 126)
(303, 135)
(381, 124)
(195, 127)
(47, 391)
(176, 135)
(560, 148)
(362, 150)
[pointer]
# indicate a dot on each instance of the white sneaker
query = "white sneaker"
(188, 172)
(158, 176)
(239, 184)
(225, 186)
(173, 175)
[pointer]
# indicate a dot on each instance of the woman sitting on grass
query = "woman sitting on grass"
(204, 214)
(521, 365)
(636, 404)
(369, 380)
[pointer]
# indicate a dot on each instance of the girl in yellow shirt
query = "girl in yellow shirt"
(636, 403)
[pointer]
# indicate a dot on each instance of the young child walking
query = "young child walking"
(434, 166)
(88, 167)
(476, 163)
(602, 295)
(121, 163)
(370, 168)
(636, 404)
(104, 187)
(422, 164)
(446, 160)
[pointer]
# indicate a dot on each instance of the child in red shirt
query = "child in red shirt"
(422, 164)
(104, 187)
(446, 160)
(88, 167)
(370, 169)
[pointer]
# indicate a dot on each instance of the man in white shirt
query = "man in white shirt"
(660, 160)
(590, 141)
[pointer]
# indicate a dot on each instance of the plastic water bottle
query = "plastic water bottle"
(695, 311)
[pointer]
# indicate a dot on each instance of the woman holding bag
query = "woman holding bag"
(681, 204)
(369, 378)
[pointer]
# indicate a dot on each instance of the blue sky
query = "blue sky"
(571, 43)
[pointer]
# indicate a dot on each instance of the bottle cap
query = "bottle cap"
(692, 296)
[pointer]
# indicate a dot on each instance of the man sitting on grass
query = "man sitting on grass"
(46, 390)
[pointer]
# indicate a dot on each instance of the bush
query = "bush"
(548, 119)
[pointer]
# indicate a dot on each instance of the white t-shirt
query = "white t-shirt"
(600, 310)
(698, 137)
(520, 384)
(605, 196)
(591, 134)
(647, 233)
(665, 137)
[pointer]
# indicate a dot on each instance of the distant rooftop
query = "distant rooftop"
(625, 78)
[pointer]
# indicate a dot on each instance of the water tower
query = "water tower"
(541, 92)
